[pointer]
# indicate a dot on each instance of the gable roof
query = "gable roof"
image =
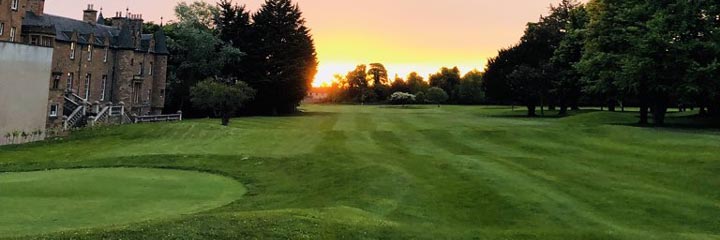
(63, 28)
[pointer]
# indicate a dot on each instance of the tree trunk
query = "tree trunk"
(659, 112)
(225, 120)
(643, 114)
(611, 105)
(531, 111)
(563, 110)
(703, 111)
(576, 108)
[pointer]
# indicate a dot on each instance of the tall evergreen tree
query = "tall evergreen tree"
(281, 57)
(234, 27)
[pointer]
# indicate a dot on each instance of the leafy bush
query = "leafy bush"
(437, 95)
(401, 98)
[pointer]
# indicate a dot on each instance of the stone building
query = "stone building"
(96, 66)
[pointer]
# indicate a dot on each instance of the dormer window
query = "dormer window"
(72, 50)
(14, 5)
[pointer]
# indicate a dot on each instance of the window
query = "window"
(106, 54)
(2, 28)
(150, 71)
(70, 81)
(34, 40)
(12, 34)
(104, 87)
(14, 5)
(90, 52)
(87, 86)
(142, 69)
(46, 42)
(56, 80)
(54, 110)
(72, 50)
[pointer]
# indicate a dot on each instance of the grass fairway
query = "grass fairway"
(370, 172)
(56, 200)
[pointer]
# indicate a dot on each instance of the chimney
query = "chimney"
(90, 15)
(37, 7)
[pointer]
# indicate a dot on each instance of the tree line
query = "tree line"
(614, 53)
(226, 60)
(371, 84)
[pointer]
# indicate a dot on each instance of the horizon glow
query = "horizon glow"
(404, 35)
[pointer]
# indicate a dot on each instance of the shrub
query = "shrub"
(401, 98)
(437, 95)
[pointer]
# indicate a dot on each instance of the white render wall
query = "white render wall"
(25, 73)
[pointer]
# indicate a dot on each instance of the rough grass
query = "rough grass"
(369, 172)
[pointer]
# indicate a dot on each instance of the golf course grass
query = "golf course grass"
(421, 172)
(56, 200)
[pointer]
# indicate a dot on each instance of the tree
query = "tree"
(358, 84)
(196, 54)
(234, 27)
(566, 84)
(495, 80)
(199, 14)
(447, 79)
(282, 57)
(399, 85)
(401, 98)
(420, 98)
(416, 83)
(436, 95)
(379, 76)
(523, 73)
(222, 97)
(525, 82)
(470, 90)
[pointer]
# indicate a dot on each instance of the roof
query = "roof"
(63, 28)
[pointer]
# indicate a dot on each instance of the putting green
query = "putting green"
(59, 200)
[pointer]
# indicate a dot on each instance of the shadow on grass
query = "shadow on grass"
(549, 114)
(409, 106)
(693, 122)
(310, 114)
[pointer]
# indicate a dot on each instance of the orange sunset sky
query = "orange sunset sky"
(405, 35)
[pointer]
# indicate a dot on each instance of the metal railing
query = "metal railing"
(74, 118)
(102, 116)
(159, 118)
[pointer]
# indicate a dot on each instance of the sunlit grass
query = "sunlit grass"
(368, 172)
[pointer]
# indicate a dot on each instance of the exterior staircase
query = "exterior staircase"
(74, 111)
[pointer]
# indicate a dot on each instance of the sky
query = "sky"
(404, 35)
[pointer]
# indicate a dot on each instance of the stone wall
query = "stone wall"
(24, 89)
(12, 19)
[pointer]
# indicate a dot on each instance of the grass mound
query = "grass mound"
(61, 200)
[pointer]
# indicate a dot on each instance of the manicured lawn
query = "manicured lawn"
(369, 172)
(56, 200)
